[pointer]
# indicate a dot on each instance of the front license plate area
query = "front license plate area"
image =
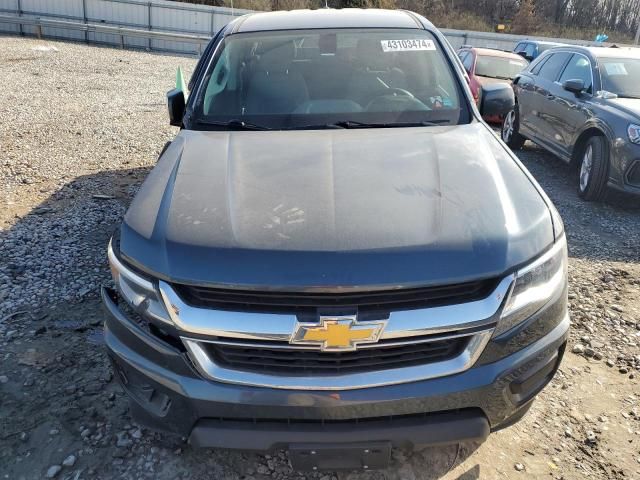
(352, 456)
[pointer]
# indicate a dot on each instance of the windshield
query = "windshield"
(620, 76)
(499, 67)
(343, 78)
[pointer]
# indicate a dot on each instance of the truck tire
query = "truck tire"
(594, 169)
(509, 133)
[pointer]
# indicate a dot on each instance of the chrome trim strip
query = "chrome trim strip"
(209, 369)
(276, 327)
(222, 323)
(364, 346)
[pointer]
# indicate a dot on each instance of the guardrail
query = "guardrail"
(456, 37)
(121, 32)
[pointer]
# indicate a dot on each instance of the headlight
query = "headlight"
(534, 286)
(138, 292)
(634, 133)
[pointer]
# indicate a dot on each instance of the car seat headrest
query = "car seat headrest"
(328, 44)
(277, 57)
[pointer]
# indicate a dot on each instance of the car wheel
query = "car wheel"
(594, 168)
(510, 134)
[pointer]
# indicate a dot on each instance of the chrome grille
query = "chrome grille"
(252, 348)
(277, 359)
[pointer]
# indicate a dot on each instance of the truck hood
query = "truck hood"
(335, 208)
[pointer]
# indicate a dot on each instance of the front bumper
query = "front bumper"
(169, 394)
(624, 169)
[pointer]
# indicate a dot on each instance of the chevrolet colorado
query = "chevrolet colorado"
(335, 256)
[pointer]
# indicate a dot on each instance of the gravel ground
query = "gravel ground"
(81, 127)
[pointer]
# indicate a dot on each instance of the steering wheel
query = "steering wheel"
(387, 92)
(395, 92)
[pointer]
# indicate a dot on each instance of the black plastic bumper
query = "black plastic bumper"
(168, 394)
(408, 432)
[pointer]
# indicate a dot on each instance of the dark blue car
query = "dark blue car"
(532, 49)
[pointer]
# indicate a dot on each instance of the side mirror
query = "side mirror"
(496, 100)
(176, 105)
(574, 86)
(525, 55)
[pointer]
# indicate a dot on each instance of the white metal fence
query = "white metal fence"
(502, 41)
(160, 24)
(157, 16)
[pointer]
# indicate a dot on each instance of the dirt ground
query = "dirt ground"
(81, 128)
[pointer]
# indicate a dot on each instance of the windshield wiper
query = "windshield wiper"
(497, 77)
(234, 125)
(242, 125)
(629, 96)
(354, 124)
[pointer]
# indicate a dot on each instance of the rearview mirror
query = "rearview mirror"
(575, 86)
(496, 100)
(176, 105)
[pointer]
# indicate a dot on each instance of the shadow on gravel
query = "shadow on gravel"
(57, 394)
(60, 405)
(57, 251)
(601, 231)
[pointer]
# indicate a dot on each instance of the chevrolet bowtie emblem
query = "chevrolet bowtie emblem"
(337, 334)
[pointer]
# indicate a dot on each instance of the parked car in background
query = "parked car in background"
(335, 255)
(486, 66)
(583, 104)
(532, 49)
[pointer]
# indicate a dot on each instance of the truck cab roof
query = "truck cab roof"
(328, 18)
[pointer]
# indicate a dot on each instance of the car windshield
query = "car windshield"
(343, 78)
(499, 67)
(620, 76)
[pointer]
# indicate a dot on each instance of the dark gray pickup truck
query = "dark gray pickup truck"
(335, 256)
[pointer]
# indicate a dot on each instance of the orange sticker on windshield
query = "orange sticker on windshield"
(407, 45)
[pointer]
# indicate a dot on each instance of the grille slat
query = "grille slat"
(330, 361)
(278, 358)
(335, 356)
(284, 361)
(301, 302)
(344, 365)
